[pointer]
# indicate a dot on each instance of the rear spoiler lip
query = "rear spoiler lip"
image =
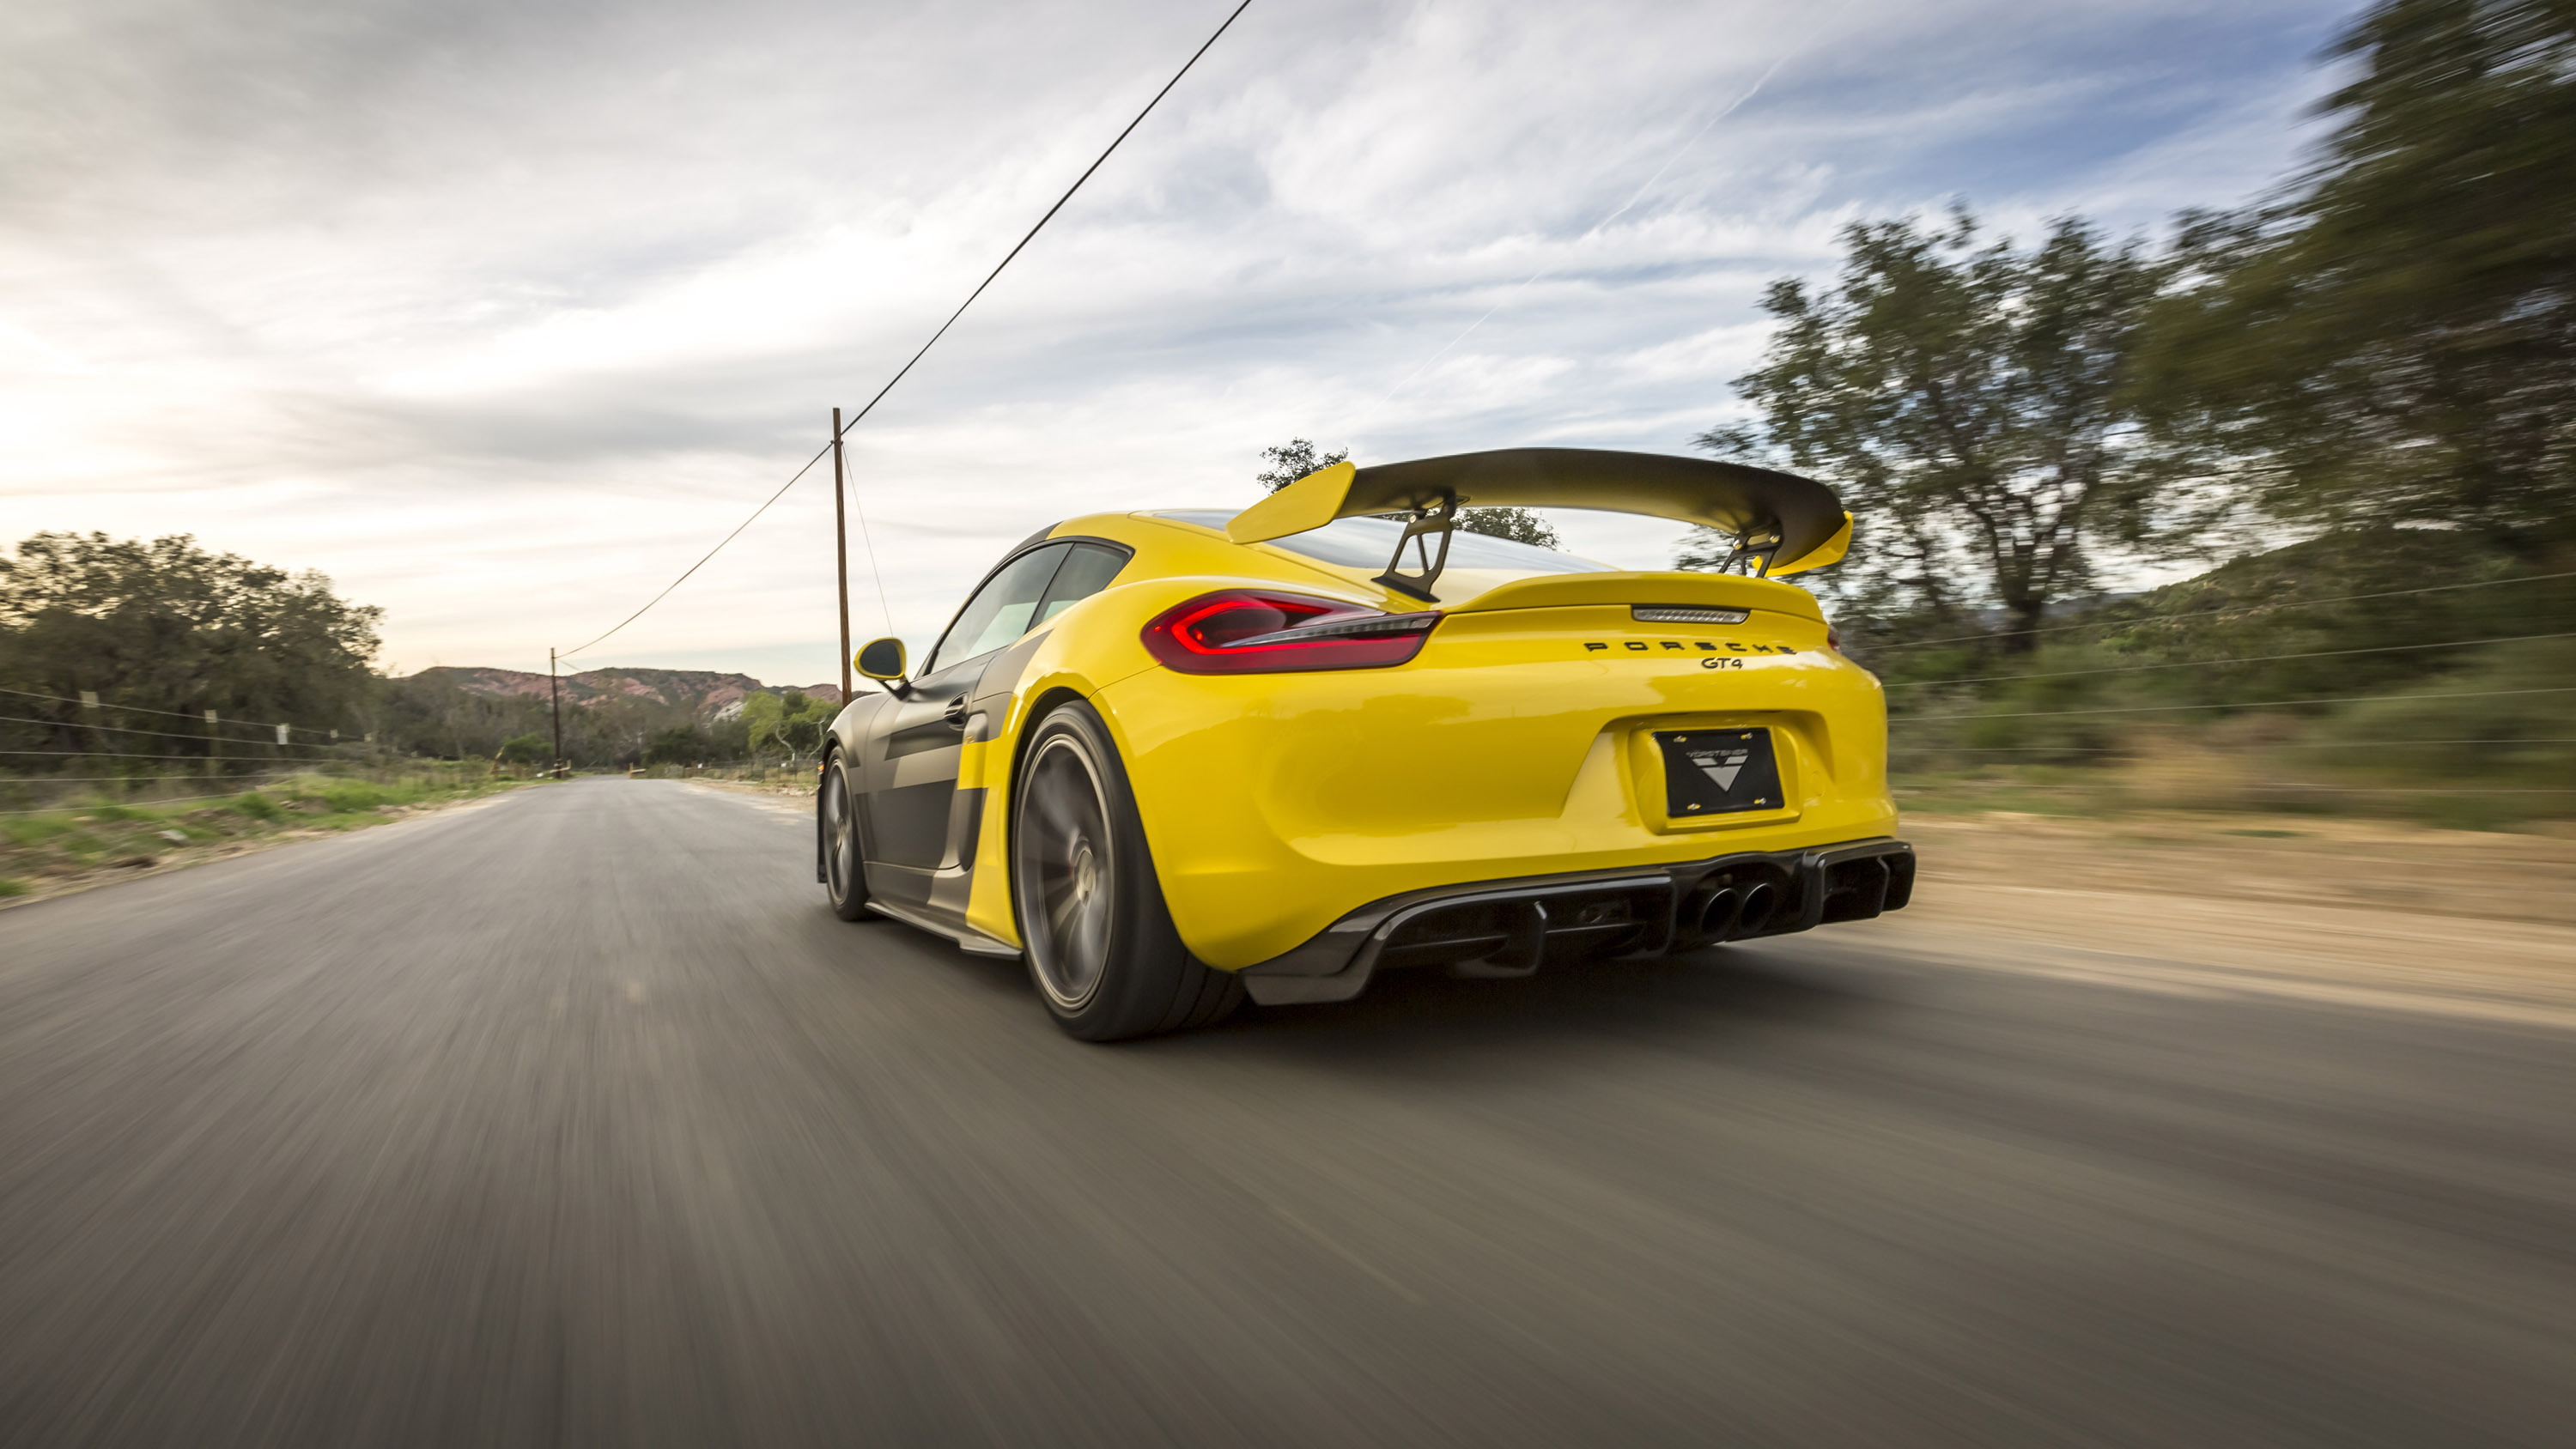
(1735, 498)
(1560, 591)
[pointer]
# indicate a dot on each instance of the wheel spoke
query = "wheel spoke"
(1062, 873)
(1054, 809)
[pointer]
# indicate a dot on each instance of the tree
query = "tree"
(527, 749)
(791, 720)
(1969, 401)
(1520, 525)
(1294, 460)
(166, 625)
(1297, 458)
(680, 745)
(2394, 340)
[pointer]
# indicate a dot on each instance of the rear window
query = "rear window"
(1367, 543)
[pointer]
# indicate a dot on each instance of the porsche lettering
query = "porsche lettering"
(1646, 646)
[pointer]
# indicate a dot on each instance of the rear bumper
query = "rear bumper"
(1510, 927)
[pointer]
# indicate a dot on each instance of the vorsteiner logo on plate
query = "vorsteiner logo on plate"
(1718, 772)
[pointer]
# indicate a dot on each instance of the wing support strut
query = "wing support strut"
(1440, 518)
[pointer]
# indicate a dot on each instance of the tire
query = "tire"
(837, 844)
(1101, 947)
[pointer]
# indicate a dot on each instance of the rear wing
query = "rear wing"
(1786, 523)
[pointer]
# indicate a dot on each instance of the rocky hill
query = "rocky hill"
(700, 692)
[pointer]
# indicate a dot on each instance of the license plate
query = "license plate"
(1718, 772)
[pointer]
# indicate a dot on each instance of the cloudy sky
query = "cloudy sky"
(502, 313)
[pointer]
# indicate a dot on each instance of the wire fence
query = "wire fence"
(2247, 609)
(2175, 724)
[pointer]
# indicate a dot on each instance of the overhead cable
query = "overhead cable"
(711, 553)
(942, 332)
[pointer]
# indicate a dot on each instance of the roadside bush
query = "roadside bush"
(12, 886)
(257, 806)
(527, 749)
(350, 796)
(35, 830)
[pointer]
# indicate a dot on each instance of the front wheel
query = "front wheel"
(836, 827)
(1101, 946)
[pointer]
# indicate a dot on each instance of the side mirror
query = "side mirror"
(882, 660)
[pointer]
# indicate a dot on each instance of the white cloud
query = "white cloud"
(501, 314)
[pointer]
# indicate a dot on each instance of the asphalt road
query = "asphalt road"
(575, 1118)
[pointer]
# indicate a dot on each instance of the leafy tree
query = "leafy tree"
(1520, 525)
(166, 625)
(527, 749)
(1969, 402)
(791, 721)
(2394, 340)
(1294, 460)
(1297, 458)
(680, 745)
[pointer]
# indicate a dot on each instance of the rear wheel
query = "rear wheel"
(836, 815)
(1101, 946)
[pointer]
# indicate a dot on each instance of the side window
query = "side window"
(1001, 611)
(1086, 572)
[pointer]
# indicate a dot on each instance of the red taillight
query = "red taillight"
(1247, 631)
(1833, 638)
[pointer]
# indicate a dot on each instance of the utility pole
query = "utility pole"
(554, 692)
(214, 746)
(841, 550)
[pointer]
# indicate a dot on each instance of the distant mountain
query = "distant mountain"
(701, 692)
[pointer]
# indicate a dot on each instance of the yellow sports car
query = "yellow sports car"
(1174, 758)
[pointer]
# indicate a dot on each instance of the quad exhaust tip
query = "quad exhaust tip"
(1732, 912)
(1760, 904)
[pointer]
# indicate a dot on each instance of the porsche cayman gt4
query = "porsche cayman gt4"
(1174, 758)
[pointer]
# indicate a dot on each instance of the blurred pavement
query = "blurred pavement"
(573, 1117)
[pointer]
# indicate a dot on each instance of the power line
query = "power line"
(2205, 613)
(2241, 659)
(942, 332)
(2237, 704)
(711, 553)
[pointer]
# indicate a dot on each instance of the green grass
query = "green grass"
(81, 836)
(36, 829)
(10, 885)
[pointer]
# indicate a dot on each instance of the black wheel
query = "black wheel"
(1100, 942)
(836, 827)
